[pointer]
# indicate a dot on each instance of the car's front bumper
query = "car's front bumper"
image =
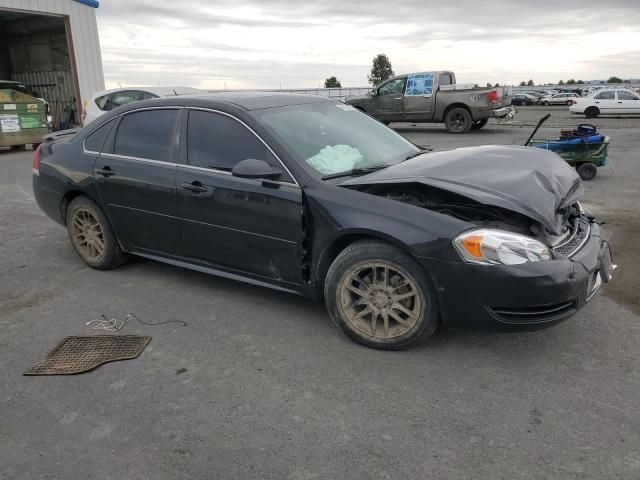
(520, 296)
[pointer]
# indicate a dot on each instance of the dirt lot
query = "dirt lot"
(260, 384)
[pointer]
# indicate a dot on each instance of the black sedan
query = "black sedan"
(308, 195)
(523, 99)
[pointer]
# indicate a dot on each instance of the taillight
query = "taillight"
(35, 165)
(492, 96)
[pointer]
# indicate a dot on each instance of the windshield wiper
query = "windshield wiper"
(355, 171)
(422, 151)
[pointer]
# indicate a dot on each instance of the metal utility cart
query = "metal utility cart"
(23, 119)
(582, 148)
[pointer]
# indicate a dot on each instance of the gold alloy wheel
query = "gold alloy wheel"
(87, 235)
(379, 299)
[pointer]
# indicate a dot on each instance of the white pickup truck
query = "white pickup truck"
(434, 97)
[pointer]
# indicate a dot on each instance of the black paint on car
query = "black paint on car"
(310, 196)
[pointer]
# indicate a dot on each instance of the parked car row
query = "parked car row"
(544, 98)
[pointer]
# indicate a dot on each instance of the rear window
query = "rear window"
(147, 134)
(95, 140)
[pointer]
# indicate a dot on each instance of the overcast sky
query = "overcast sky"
(298, 43)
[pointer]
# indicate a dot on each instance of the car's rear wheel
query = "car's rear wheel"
(587, 171)
(458, 120)
(478, 124)
(592, 112)
(92, 236)
(380, 297)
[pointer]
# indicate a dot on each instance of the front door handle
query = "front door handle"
(399, 98)
(195, 187)
(105, 171)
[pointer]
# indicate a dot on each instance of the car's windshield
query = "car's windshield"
(331, 137)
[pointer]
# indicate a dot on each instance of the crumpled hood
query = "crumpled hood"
(533, 182)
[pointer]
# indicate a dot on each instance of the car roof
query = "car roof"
(160, 91)
(247, 100)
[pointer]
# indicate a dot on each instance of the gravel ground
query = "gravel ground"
(261, 385)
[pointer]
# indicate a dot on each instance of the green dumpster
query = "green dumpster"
(23, 119)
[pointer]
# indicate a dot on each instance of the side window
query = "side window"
(219, 142)
(95, 140)
(393, 87)
(610, 95)
(148, 96)
(624, 95)
(420, 84)
(148, 134)
(103, 101)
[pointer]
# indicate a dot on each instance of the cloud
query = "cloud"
(268, 43)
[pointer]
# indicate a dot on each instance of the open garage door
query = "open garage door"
(39, 54)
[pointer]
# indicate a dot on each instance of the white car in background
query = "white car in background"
(608, 101)
(102, 102)
(559, 99)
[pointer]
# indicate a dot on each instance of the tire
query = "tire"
(587, 171)
(92, 236)
(458, 120)
(477, 125)
(546, 104)
(400, 323)
(592, 112)
(569, 103)
(18, 148)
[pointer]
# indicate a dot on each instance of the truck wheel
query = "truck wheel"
(477, 125)
(458, 120)
(380, 297)
(592, 112)
(18, 148)
(587, 171)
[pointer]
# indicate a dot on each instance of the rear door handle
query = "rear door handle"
(399, 98)
(105, 171)
(195, 187)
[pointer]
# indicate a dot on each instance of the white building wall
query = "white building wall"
(84, 33)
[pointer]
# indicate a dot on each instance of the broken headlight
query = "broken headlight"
(491, 247)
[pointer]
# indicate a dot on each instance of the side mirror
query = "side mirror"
(253, 168)
(373, 92)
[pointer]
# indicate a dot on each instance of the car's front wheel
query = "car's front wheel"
(92, 236)
(380, 297)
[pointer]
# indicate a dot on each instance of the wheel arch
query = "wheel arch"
(67, 198)
(336, 245)
(448, 108)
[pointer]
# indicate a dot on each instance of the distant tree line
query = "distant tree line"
(381, 70)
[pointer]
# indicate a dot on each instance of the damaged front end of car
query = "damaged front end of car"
(524, 220)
